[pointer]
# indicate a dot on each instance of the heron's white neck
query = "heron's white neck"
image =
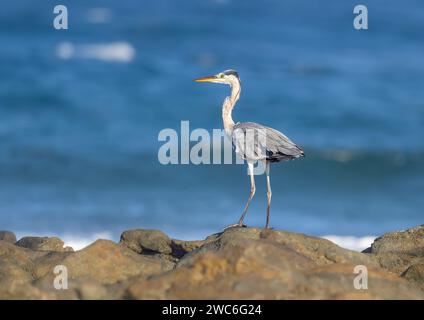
(228, 106)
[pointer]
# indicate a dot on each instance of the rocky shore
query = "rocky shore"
(239, 263)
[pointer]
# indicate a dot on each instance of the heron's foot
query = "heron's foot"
(235, 225)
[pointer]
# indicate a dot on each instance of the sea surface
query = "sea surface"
(81, 110)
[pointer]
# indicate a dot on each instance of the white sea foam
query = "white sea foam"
(78, 242)
(110, 52)
(351, 242)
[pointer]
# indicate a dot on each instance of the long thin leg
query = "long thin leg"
(252, 192)
(269, 194)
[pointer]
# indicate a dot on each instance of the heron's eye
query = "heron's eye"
(221, 75)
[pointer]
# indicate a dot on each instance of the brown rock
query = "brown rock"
(90, 290)
(319, 250)
(335, 281)
(244, 263)
(17, 273)
(25, 292)
(410, 242)
(157, 243)
(7, 236)
(147, 241)
(16, 263)
(181, 247)
(239, 263)
(397, 251)
(107, 262)
(43, 244)
(45, 264)
(415, 274)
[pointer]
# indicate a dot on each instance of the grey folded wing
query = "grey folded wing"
(254, 142)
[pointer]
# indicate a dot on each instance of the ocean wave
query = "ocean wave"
(109, 52)
(351, 242)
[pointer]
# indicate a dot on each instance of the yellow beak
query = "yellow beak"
(206, 79)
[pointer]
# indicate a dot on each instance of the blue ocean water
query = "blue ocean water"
(81, 110)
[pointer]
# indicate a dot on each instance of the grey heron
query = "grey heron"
(253, 142)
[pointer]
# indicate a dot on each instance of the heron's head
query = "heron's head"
(229, 77)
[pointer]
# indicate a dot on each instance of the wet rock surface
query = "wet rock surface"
(239, 263)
